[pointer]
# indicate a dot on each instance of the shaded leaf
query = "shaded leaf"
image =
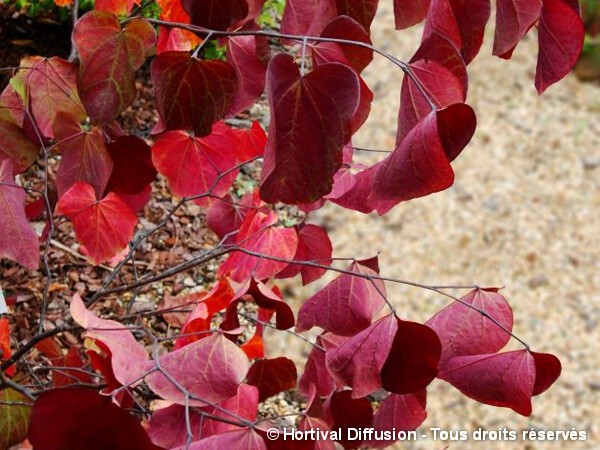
(244, 404)
(104, 226)
(18, 240)
(307, 17)
(350, 303)
(52, 350)
(14, 419)
(15, 145)
(109, 58)
(410, 12)
(192, 94)
(272, 376)
(69, 419)
(316, 373)
(215, 14)
(560, 36)
(363, 11)
(464, 331)
(514, 18)
(246, 439)
(225, 216)
(128, 357)
(346, 412)
(547, 371)
(210, 369)
(310, 123)
(84, 157)
(132, 169)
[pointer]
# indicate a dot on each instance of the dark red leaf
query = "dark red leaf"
(215, 14)
(346, 412)
(363, 11)
(259, 235)
(72, 419)
(15, 145)
(503, 379)
(84, 157)
(198, 165)
(245, 439)
(210, 369)
(109, 58)
(225, 216)
(316, 373)
(561, 35)
(243, 53)
(272, 376)
(514, 18)
(410, 12)
(346, 305)
(18, 240)
(307, 17)
(132, 165)
(461, 22)
(413, 358)
(104, 226)
(310, 124)
(464, 331)
(547, 371)
(192, 94)
(399, 413)
(52, 350)
(420, 164)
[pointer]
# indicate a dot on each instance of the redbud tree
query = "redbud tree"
(117, 382)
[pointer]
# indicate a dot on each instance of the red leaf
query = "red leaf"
(358, 361)
(316, 373)
(346, 412)
(441, 73)
(561, 35)
(420, 164)
(547, 371)
(215, 14)
(84, 157)
(258, 234)
(51, 89)
(133, 170)
(192, 94)
(252, 141)
(464, 331)
(313, 245)
(272, 376)
(128, 357)
(310, 123)
(307, 17)
(168, 426)
(343, 27)
(210, 369)
(109, 58)
(5, 352)
(246, 439)
(410, 12)
(15, 145)
(78, 418)
(118, 7)
(244, 404)
(363, 11)
(52, 350)
(243, 53)
(514, 18)
(197, 165)
(399, 413)
(504, 379)
(461, 22)
(18, 240)
(174, 39)
(104, 226)
(350, 303)
(225, 216)
(413, 359)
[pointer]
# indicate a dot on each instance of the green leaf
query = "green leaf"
(14, 418)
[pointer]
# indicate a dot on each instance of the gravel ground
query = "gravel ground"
(523, 213)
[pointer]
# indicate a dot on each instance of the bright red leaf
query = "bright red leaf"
(547, 371)
(109, 57)
(245, 439)
(561, 35)
(253, 141)
(174, 39)
(69, 419)
(84, 157)
(104, 226)
(198, 165)
(310, 123)
(410, 12)
(313, 245)
(465, 331)
(128, 357)
(225, 216)
(18, 240)
(514, 18)
(244, 404)
(351, 303)
(5, 352)
(192, 94)
(210, 369)
(118, 7)
(260, 235)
